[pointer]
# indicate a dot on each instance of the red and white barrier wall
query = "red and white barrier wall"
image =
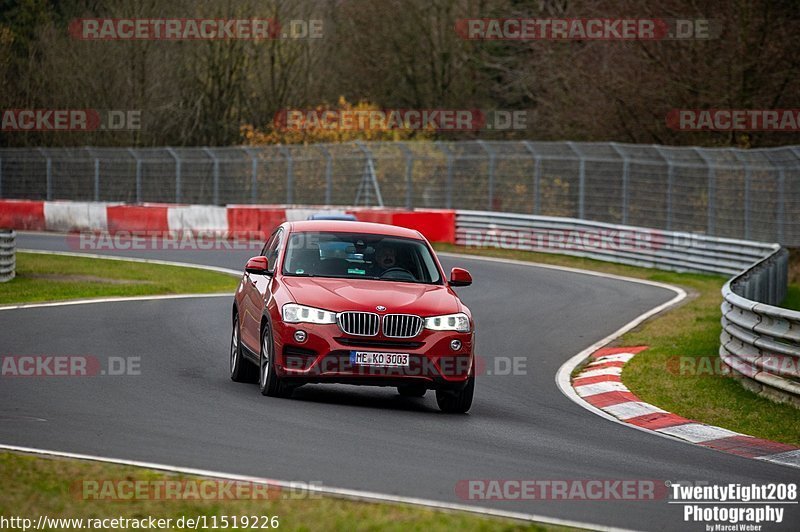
(437, 225)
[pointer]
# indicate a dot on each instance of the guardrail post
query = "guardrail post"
(178, 192)
(492, 159)
(289, 175)
(625, 181)
(711, 192)
(49, 174)
(8, 261)
(409, 175)
(215, 183)
(581, 180)
(448, 186)
(537, 176)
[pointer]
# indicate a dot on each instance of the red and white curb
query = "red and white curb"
(600, 385)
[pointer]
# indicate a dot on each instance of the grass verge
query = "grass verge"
(678, 371)
(34, 486)
(62, 277)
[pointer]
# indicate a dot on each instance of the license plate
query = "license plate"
(387, 360)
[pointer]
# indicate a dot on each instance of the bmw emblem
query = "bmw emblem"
(380, 308)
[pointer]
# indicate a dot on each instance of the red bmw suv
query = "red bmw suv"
(353, 303)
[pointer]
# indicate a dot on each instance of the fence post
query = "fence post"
(49, 175)
(138, 174)
(492, 158)
(747, 178)
(448, 186)
(328, 173)
(215, 185)
(96, 173)
(625, 181)
(253, 174)
(177, 174)
(670, 179)
(537, 176)
(711, 192)
(581, 180)
(409, 175)
(289, 175)
(369, 177)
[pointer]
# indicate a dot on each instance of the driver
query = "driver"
(386, 257)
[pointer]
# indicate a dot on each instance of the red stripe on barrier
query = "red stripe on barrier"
(137, 218)
(658, 420)
(437, 225)
(245, 220)
(22, 214)
(748, 446)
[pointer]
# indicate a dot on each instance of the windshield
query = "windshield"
(360, 256)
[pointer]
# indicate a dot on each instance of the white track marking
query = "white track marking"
(600, 387)
(326, 490)
(612, 370)
(789, 458)
(698, 432)
(631, 409)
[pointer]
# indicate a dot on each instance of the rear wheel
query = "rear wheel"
(268, 381)
(456, 402)
(241, 369)
(411, 391)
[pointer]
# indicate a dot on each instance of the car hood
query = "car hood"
(340, 295)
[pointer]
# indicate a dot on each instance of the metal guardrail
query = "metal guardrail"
(760, 342)
(8, 260)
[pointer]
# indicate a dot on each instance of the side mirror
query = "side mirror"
(460, 277)
(257, 265)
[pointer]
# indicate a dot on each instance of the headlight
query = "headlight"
(294, 313)
(449, 322)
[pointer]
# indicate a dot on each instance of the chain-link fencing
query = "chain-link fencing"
(748, 194)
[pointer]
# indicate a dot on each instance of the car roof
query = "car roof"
(340, 226)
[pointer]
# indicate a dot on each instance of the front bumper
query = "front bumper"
(325, 357)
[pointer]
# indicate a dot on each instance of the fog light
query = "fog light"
(455, 345)
(300, 336)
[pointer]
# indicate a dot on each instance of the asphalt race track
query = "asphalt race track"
(184, 410)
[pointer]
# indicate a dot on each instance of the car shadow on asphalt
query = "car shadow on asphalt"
(365, 397)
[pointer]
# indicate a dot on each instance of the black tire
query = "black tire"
(241, 369)
(411, 391)
(269, 383)
(456, 402)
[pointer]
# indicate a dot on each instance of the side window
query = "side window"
(273, 249)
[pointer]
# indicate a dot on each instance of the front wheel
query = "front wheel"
(268, 381)
(241, 369)
(456, 402)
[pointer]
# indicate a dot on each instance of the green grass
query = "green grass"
(792, 299)
(34, 486)
(61, 277)
(691, 329)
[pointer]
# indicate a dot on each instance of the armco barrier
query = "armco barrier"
(7, 255)
(759, 342)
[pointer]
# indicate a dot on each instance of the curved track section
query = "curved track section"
(184, 410)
